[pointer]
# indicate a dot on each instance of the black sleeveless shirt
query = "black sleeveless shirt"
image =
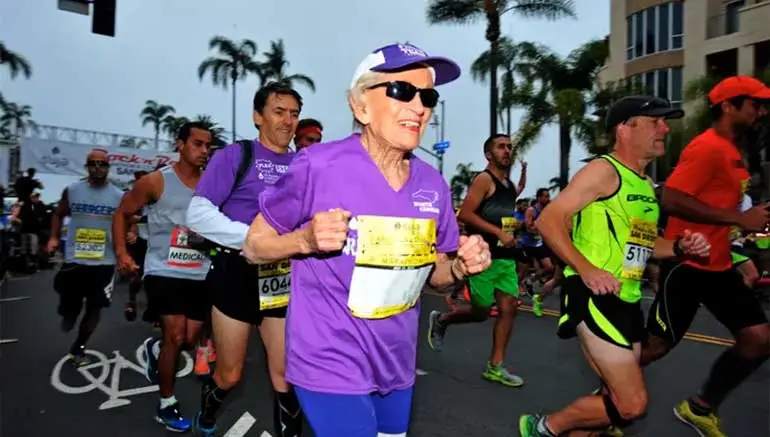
(498, 210)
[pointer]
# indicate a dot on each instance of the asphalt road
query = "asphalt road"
(451, 399)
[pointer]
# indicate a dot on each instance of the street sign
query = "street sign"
(440, 147)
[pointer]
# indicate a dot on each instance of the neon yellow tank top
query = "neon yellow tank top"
(618, 233)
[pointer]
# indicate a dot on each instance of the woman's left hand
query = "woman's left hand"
(473, 255)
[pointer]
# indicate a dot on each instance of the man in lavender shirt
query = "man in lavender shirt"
(245, 295)
(366, 224)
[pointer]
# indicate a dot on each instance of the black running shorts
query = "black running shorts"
(607, 316)
(177, 297)
(683, 288)
(75, 282)
(233, 284)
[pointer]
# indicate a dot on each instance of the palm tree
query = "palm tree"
(15, 62)
(171, 125)
(511, 66)
(235, 61)
(133, 143)
(559, 95)
(470, 11)
(16, 118)
(461, 181)
(275, 66)
(154, 114)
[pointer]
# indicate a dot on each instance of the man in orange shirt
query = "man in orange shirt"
(703, 194)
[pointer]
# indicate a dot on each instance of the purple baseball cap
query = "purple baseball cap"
(396, 56)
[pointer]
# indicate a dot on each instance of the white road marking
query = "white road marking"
(18, 278)
(8, 340)
(421, 372)
(242, 426)
(265, 434)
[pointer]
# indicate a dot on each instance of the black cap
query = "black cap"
(636, 106)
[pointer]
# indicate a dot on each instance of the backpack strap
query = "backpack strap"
(247, 155)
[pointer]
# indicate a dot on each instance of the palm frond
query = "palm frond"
(455, 11)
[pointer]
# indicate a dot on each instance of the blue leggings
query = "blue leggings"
(374, 415)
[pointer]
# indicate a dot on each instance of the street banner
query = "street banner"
(63, 158)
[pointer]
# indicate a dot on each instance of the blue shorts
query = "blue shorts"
(374, 415)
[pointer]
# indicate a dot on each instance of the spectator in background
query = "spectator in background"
(31, 214)
(25, 185)
(309, 131)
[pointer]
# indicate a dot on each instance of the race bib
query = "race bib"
(90, 243)
(274, 284)
(510, 226)
(180, 254)
(393, 259)
(638, 250)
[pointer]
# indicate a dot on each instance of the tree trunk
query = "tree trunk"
(157, 137)
(493, 36)
(565, 145)
(508, 120)
(234, 79)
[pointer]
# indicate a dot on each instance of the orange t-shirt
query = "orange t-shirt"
(710, 169)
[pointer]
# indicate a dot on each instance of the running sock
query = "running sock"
(212, 397)
(542, 428)
(167, 402)
(287, 415)
(698, 409)
(729, 370)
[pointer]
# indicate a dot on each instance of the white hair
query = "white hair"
(361, 85)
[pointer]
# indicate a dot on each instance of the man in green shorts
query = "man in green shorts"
(614, 214)
(489, 210)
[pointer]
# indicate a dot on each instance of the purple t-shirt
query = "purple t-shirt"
(328, 349)
(218, 179)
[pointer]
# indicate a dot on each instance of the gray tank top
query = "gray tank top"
(168, 250)
(89, 234)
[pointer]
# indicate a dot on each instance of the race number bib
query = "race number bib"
(180, 254)
(638, 250)
(90, 243)
(274, 284)
(393, 259)
(510, 226)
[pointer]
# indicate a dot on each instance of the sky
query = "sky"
(92, 82)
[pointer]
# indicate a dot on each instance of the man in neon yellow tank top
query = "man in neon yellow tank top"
(614, 214)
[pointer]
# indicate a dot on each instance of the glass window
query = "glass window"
(676, 84)
(650, 28)
(663, 27)
(629, 38)
(662, 90)
(639, 35)
(649, 82)
(637, 83)
(677, 25)
(733, 16)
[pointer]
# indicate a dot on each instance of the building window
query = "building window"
(665, 83)
(733, 16)
(656, 29)
(676, 87)
(629, 38)
(677, 25)
(650, 27)
(662, 89)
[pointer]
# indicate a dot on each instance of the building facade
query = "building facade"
(664, 44)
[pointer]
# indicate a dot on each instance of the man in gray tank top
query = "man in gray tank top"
(174, 272)
(89, 262)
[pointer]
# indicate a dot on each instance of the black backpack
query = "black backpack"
(247, 155)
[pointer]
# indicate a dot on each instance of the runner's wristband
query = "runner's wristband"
(678, 252)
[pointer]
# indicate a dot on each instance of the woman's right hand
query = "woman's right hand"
(328, 230)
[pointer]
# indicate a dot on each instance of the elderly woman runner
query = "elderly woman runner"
(367, 224)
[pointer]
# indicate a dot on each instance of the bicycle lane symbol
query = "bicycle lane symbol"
(117, 397)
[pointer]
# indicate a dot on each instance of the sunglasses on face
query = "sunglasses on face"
(102, 164)
(405, 92)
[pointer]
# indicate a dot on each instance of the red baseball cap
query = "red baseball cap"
(735, 86)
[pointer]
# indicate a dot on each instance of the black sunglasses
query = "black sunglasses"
(405, 92)
(97, 164)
